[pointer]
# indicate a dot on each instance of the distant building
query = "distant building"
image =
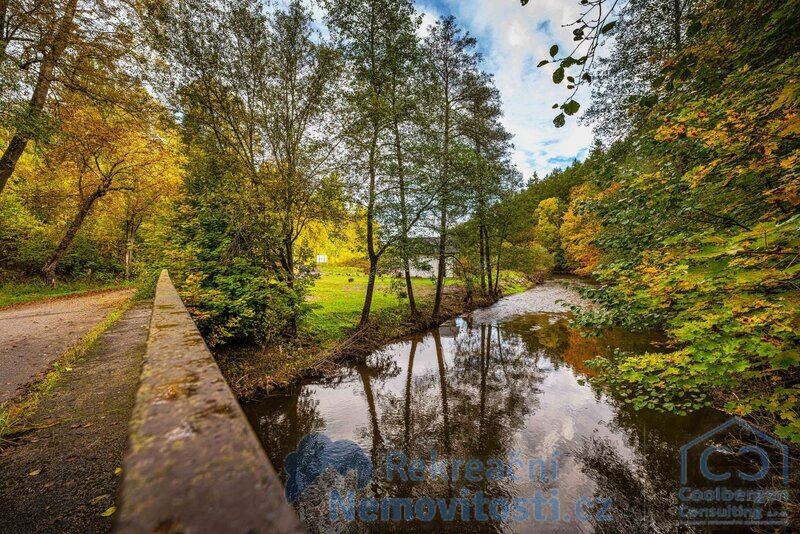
(322, 258)
(428, 267)
(425, 258)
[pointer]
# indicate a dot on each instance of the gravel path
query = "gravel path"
(61, 477)
(34, 335)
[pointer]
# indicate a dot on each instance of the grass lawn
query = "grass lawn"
(338, 302)
(19, 292)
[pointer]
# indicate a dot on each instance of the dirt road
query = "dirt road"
(33, 336)
(62, 475)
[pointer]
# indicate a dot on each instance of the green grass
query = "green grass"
(338, 302)
(20, 292)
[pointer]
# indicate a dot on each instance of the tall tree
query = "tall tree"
(480, 125)
(44, 45)
(378, 39)
(102, 151)
(647, 32)
(261, 87)
(453, 62)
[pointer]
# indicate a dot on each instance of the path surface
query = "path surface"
(61, 477)
(34, 335)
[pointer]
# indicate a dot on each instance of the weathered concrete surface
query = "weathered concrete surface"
(193, 462)
(61, 476)
(34, 335)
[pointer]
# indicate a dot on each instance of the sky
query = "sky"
(512, 40)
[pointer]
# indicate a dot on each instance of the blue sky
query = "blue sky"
(513, 39)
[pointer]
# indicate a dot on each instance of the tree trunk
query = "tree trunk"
(488, 258)
(442, 264)
(132, 224)
(483, 258)
(404, 220)
(129, 241)
(49, 269)
(437, 304)
(3, 26)
(15, 148)
(495, 292)
(373, 256)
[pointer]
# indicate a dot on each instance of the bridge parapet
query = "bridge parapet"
(193, 463)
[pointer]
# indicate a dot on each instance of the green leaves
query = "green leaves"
(524, 2)
(543, 62)
(558, 75)
(571, 107)
(560, 120)
(608, 27)
(553, 50)
(694, 28)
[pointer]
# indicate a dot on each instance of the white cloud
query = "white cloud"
(429, 16)
(513, 39)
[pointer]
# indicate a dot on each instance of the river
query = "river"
(506, 383)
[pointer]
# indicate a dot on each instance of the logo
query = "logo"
(468, 477)
(315, 454)
(731, 488)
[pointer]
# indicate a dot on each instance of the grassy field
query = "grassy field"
(19, 292)
(337, 302)
(336, 310)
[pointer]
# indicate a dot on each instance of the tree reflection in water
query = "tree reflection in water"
(473, 389)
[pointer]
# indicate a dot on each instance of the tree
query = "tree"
(453, 62)
(101, 151)
(68, 44)
(480, 125)
(646, 34)
(266, 103)
(378, 40)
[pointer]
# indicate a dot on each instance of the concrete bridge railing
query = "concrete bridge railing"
(193, 463)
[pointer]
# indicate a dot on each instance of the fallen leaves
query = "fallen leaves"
(109, 512)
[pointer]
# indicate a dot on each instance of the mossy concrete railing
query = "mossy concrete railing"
(193, 463)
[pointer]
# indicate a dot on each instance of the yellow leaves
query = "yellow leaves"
(109, 512)
(610, 190)
(670, 132)
(769, 148)
(577, 234)
(698, 173)
(791, 125)
(791, 161)
(35, 472)
(693, 132)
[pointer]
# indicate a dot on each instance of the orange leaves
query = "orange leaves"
(670, 132)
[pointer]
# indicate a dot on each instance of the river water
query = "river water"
(505, 385)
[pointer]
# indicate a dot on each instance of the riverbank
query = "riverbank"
(253, 372)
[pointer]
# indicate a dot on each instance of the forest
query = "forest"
(258, 152)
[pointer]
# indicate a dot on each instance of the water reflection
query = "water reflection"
(486, 386)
